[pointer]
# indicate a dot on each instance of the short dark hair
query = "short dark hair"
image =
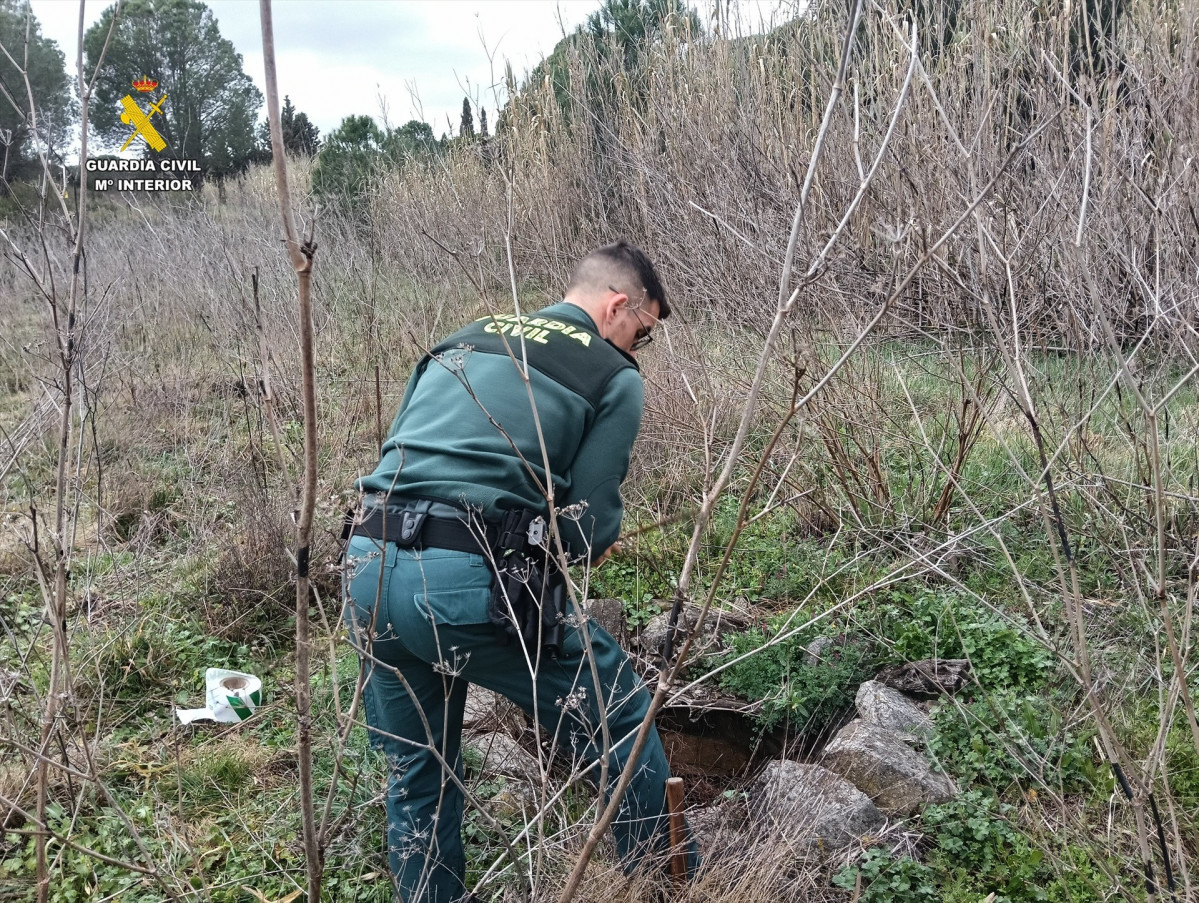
(621, 262)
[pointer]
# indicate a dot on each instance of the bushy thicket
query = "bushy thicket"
(699, 156)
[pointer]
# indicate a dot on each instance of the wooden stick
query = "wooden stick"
(678, 836)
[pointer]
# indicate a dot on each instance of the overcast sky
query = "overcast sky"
(416, 58)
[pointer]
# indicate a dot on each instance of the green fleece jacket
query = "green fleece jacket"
(467, 432)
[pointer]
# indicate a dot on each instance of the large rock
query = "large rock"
(515, 799)
(480, 711)
(816, 650)
(812, 805)
(503, 755)
(487, 711)
(716, 625)
(878, 704)
(608, 614)
(930, 677)
(898, 779)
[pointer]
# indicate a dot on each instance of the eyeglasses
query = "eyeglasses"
(644, 336)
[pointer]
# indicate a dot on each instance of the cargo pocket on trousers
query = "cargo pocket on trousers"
(454, 607)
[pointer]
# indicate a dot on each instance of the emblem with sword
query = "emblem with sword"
(140, 121)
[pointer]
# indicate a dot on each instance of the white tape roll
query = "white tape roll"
(232, 696)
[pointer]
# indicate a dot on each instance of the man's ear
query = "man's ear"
(613, 304)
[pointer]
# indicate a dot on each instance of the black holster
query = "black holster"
(528, 593)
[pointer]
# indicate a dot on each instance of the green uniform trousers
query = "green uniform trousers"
(423, 613)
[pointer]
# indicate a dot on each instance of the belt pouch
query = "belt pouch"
(508, 607)
(529, 604)
(553, 611)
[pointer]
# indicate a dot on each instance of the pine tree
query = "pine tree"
(48, 81)
(466, 129)
(300, 136)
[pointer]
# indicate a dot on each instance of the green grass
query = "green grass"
(806, 698)
(217, 807)
(976, 847)
(1008, 741)
(934, 623)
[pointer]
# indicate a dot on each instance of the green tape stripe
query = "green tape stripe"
(240, 709)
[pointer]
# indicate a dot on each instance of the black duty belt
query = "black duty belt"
(415, 528)
(529, 598)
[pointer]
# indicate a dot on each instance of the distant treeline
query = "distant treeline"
(212, 116)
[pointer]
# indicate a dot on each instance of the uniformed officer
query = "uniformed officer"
(464, 478)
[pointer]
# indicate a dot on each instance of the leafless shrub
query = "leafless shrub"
(252, 579)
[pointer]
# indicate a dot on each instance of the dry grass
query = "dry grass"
(699, 160)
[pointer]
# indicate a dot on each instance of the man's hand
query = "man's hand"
(615, 547)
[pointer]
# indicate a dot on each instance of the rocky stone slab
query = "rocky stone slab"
(503, 755)
(480, 711)
(897, 778)
(716, 625)
(929, 678)
(880, 705)
(487, 711)
(609, 614)
(811, 805)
